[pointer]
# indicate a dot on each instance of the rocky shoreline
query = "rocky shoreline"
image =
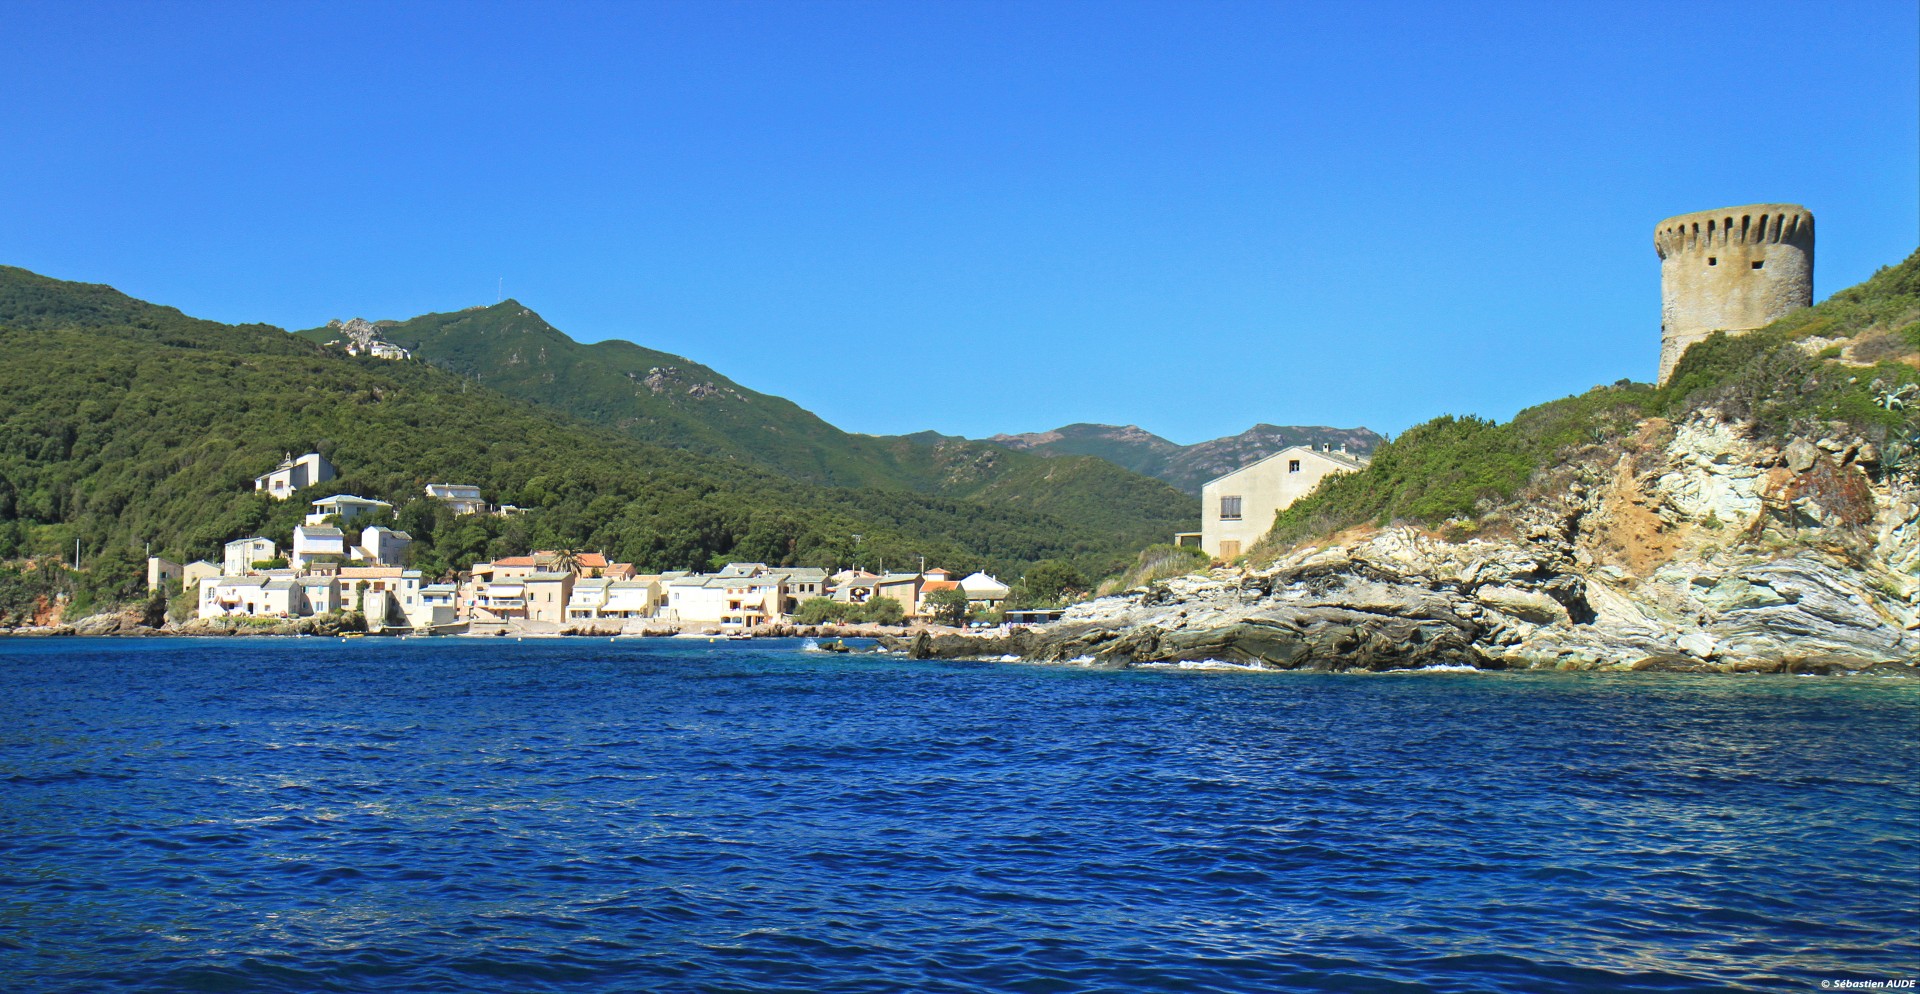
(1687, 548)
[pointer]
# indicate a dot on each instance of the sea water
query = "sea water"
(671, 815)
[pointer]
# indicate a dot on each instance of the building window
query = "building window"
(1711, 261)
(1293, 465)
(1229, 550)
(1758, 263)
(1229, 509)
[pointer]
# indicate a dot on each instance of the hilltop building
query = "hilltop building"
(295, 474)
(346, 507)
(1238, 508)
(1734, 269)
(460, 497)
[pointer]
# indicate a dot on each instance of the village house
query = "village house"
(346, 507)
(314, 543)
(459, 497)
(799, 584)
(382, 546)
(600, 598)
(984, 591)
(547, 594)
(295, 474)
(159, 571)
(1238, 508)
(321, 593)
(242, 553)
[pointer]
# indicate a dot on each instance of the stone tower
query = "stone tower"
(1732, 270)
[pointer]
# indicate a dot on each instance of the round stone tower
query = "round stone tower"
(1731, 270)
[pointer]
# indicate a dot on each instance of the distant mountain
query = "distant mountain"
(671, 400)
(1185, 466)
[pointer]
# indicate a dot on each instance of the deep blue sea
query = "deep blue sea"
(675, 815)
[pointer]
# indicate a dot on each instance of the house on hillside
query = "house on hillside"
(459, 497)
(295, 474)
(1238, 508)
(380, 546)
(317, 544)
(160, 570)
(346, 507)
(242, 553)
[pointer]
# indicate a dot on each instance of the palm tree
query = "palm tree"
(564, 561)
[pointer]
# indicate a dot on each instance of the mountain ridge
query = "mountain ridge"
(1186, 467)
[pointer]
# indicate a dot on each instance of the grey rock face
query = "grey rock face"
(1704, 557)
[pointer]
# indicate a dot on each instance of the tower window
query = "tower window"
(1711, 261)
(1758, 263)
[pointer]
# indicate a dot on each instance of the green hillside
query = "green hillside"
(123, 423)
(671, 400)
(1851, 361)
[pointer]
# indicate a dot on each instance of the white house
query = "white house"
(323, 543)
(1238, 508)
(294, 474)
(462, 498)
(380, 546)
(345, 506)
(321, 593)
(242, 553)
(231, 596)
(986, 591)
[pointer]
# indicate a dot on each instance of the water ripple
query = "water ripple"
(650, 815)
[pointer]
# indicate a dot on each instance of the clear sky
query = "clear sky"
(973, 217)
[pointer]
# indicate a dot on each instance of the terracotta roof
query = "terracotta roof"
(513, 561)
(368, 572)
(932, 585)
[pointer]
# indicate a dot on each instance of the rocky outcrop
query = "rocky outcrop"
(1690, 548)
(318, 625)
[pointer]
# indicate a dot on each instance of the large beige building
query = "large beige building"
(1238, 508)
(1733, 269)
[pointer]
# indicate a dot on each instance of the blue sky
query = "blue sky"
(972, 217)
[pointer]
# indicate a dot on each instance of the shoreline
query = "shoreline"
(1024, 645)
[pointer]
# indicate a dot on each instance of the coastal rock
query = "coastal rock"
(1687, 548)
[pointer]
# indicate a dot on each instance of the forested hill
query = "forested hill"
(124, 423)
(675, 401)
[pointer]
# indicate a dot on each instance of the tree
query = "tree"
(949, 607)
(819, 610)
(1050, 582)
(883, 611)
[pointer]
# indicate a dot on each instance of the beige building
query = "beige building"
(1734, 270)
(295, 474)
(1238, 508)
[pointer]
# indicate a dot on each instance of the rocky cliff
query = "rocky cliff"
(1685, 547)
